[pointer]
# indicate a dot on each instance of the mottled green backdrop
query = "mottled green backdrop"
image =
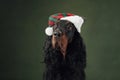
(22, 36)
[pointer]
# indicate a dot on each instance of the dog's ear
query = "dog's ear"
(47, 43)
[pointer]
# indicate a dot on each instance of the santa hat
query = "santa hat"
(75, 19)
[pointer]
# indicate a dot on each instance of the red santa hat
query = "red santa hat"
(75, 19)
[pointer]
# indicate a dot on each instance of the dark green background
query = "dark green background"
(22, 36)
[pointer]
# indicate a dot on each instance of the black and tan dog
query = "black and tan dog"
(65, 55)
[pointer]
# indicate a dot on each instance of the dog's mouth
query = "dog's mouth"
(60, 43)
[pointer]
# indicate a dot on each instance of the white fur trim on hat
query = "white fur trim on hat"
(49, 31)
(76, 20)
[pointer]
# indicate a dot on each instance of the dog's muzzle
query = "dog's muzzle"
(60, 40)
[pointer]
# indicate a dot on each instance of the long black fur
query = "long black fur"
(70, 68)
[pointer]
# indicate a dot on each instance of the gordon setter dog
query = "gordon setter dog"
(65, 53)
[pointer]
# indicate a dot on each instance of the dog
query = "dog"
(65, 53)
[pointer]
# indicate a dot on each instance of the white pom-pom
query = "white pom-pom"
(49, 31)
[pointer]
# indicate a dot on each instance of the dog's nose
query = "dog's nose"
(57, 34)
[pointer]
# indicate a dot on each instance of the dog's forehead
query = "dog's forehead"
(62, 23)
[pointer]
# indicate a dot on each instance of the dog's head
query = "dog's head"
(63, 32)
(62, 27)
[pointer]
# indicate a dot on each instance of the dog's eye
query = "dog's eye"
(69, 27)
